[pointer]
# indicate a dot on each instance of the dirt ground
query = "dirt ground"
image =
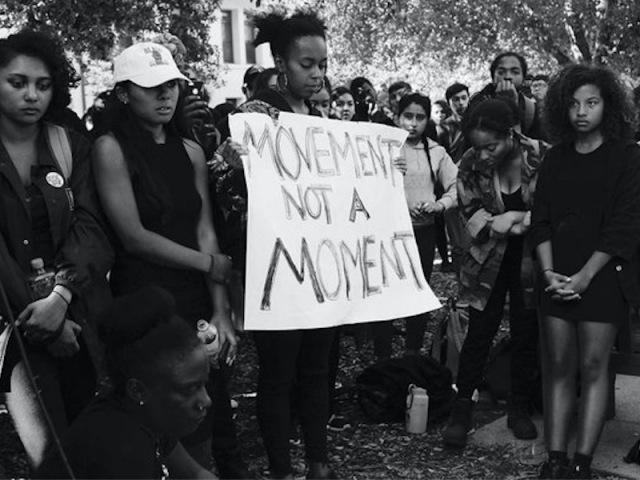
(366, 450)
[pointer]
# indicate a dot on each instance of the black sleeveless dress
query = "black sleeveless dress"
(579, 206)
(177, 222)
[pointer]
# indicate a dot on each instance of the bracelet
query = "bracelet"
(61, 296)
(547, 270)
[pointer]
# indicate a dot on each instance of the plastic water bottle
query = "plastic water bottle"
(417, 410)
(42, 280)
(208, 335)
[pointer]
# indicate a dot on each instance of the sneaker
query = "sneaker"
(552, 469)
(338, 423)
(520, 423)
(457, 430)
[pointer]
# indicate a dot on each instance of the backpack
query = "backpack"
(382, 388)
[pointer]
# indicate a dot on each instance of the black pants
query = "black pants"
(416, 325)
(483, 326)
(293, 361)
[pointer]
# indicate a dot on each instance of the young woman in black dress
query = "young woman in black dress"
(586, 229)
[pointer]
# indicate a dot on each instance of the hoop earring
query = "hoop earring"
(282, 82)
(321, 86)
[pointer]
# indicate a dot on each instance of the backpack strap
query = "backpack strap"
(60, 145)
(529, 114)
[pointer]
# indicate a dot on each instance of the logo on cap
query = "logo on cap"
(158, 59)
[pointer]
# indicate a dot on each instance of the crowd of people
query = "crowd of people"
(119, 233)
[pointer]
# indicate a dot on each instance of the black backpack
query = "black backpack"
(382, 388)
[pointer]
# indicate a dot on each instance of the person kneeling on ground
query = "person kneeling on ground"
(158, 370)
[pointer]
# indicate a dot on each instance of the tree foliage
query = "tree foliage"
(95, 27)
(433, 43)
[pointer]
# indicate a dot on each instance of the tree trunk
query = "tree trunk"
(604, 29)
(577, 36)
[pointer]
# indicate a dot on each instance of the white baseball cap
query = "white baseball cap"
(146, 64)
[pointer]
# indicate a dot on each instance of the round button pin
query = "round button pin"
(54, 179)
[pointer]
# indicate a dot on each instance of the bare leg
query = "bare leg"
(558, 338)
(595, 343)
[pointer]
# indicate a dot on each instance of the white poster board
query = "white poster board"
(330, 240)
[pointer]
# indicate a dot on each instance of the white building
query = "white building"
(233, 33)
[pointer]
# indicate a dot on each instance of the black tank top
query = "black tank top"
(178, 223)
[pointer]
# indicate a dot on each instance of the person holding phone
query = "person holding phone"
(153, 186)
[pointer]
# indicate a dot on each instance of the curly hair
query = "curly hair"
(48, 49)
(619, 117)
(280, 31)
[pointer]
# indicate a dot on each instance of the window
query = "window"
(250, 50)
(227, 37)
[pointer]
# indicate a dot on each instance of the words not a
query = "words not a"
(335, 268)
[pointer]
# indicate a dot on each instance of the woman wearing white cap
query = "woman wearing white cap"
(153, 187)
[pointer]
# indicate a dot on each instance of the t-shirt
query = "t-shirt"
(106, 441)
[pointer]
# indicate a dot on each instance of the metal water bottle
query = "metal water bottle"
(42, 281)
(208, 335)
(417, 410)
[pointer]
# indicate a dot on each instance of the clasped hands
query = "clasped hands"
(566, 289)
(44, 322)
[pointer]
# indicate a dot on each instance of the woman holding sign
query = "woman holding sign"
(297, 358)
(496, 184)
(152, 184)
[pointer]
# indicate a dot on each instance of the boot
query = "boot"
(555, 468)
(519, 421)
(320, 471)
(457, 430)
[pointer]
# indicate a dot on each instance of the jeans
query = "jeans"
(483, 326)
(293, 361)
(67, 385)
(417, 324)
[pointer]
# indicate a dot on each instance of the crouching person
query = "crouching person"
(159, 370)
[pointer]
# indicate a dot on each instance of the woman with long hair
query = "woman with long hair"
(153, 187)
(50, 227)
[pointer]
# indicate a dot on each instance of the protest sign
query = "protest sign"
(329, 234)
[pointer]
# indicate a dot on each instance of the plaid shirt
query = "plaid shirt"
(479, 198)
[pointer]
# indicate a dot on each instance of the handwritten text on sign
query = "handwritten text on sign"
(329, 235)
